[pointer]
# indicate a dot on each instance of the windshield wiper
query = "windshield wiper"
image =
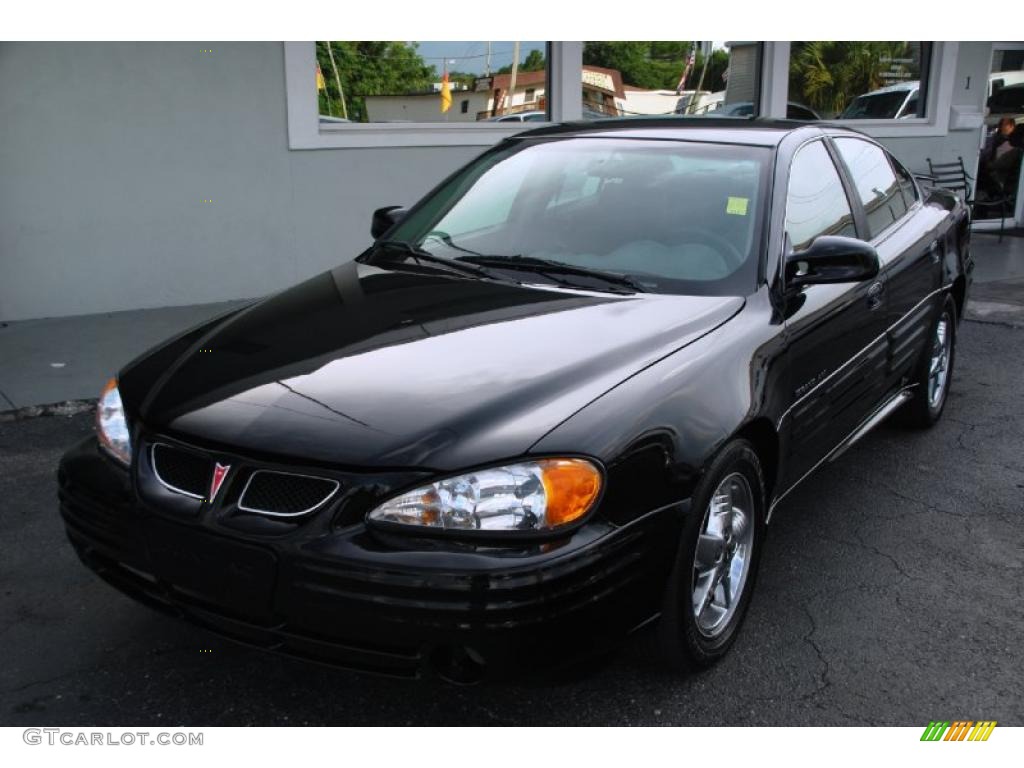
(552, 267)
(419, 255)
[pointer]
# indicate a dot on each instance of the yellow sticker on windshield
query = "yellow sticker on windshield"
(737, 206)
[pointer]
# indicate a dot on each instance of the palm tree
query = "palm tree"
(828, 75)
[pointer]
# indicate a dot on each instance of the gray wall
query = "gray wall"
(108, 150)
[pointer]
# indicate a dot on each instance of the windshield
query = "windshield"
(875, 106)
(669, 216)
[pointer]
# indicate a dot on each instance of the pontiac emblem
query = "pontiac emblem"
(220, 471)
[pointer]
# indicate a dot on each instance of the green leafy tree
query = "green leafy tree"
(657, 65)
(534, 62)
(828, 75)
(368, 68)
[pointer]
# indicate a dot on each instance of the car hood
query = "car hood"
(367, 367)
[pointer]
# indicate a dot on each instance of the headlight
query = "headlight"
(529, 496)
(111, 425)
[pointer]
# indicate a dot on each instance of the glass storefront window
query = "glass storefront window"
(628, 78)
(374, 81)
(859, 80)
(999, 165)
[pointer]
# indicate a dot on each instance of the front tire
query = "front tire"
(716, 564)
(934, 372)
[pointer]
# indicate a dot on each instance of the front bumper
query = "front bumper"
(361, 599)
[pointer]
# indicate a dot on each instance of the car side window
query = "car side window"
(906, 182)
(816, 202)
(875, 181)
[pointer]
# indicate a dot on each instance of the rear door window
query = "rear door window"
(875, 182)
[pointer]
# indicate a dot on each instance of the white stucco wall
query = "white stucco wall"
(107, 152)
(427, 107)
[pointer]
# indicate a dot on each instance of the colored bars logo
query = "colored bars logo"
(960, 730)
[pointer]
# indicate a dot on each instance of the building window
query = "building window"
(859, 80)
(625, 78)
(418, 82)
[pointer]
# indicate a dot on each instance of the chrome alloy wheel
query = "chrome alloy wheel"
(938, 366)
(722, 561)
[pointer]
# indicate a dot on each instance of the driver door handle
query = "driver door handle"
(875, 292)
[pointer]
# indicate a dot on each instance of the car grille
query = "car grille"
(285, 494)
(182, 471)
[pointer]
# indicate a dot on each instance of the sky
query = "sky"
(472, 56)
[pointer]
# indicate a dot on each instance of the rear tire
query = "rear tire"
(934, 372)
(716, 564)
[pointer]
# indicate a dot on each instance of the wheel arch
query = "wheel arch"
(959, 293)
(761, 433)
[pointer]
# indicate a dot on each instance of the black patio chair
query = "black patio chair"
(955, 178)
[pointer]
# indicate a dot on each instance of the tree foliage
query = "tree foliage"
(828, 75)
(657, 65)
(368, 68)
(534, 62)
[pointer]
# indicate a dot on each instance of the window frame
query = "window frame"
(852, 188)
(938, 82)
(565, 63)
(852, 201)
(835, 139)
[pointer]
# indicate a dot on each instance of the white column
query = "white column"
(565, 78)
(774, 78)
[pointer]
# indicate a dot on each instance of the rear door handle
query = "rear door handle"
(875, 291)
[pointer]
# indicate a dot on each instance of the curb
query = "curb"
(67, 408)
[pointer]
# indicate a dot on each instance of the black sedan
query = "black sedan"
(556, 400)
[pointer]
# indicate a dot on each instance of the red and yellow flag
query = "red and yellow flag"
(321, 84)
(446, 93)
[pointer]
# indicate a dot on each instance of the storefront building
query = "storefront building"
(162, 174)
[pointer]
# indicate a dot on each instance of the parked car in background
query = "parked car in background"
(534, 116)
(1000, 80)
(896, 102)
(556, 400)
(1006, 102)
(794, 111)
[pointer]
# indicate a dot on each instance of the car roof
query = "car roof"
(756, 132)
(908, 85)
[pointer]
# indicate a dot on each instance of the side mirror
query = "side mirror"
(385, 218)
(832, 259)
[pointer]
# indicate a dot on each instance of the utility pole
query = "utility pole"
(515, 70)
(487, 65)
(337, 79)
(700, 84)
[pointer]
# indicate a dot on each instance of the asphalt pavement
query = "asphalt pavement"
(890, 594)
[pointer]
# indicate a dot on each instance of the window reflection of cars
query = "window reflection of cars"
(794, 111)
(1006, 102)
(894, 102)
(535, 116)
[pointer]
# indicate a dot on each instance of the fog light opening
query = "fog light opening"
(458, 664)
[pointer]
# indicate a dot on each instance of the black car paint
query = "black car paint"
(383, 377)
